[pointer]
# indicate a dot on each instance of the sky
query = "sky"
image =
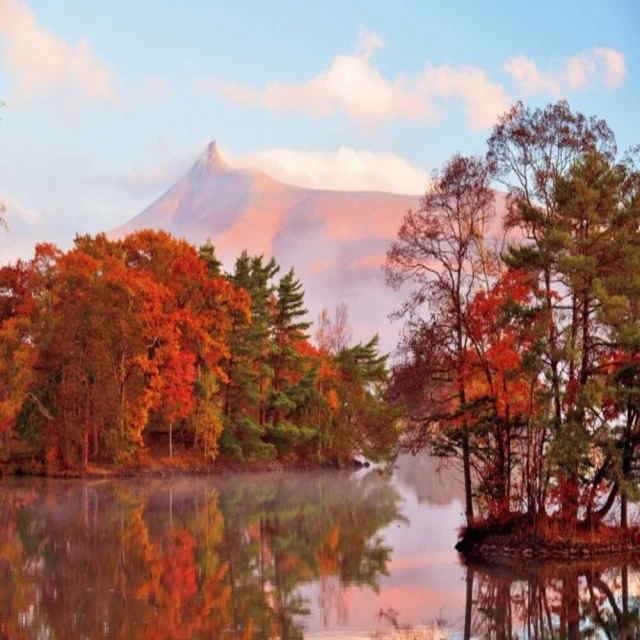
(106, 104)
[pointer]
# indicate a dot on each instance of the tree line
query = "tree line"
(520, 355)
(118, 343)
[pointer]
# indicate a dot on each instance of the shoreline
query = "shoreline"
(517, 539)
(519, 568)
(159, 470)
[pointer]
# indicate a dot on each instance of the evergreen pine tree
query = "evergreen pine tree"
(247, 368)
(207, 253)
(287, 363)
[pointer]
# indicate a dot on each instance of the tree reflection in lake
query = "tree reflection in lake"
(188, 558)
(278, 556)
(569, 601)
(553, 601)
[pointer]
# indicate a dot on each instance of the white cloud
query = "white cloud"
(578, 72)
(614, 66)
(44, 63)
(368, 42)
(345, 169)
(352, 84)
(484, 100)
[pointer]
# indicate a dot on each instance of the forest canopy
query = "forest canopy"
(115, 345)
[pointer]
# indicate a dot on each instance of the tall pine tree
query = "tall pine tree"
(247, 368)
(290, 386)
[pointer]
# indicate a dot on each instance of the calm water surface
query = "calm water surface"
(316, 555)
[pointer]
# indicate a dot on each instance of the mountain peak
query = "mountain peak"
(213, 155)
(210, 161)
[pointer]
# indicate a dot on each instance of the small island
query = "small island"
(520, 358)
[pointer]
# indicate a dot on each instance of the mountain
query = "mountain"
(336, 240)
(239, 207)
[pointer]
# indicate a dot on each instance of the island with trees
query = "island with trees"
(520, 356)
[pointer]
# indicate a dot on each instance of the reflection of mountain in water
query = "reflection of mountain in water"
(434, 480)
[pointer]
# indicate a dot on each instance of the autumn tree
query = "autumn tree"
(565, 193)
(333, 335)
(17, 353)
(502, 371)
(114, 346)
(200, 307)
(440, 252)
(526, 363)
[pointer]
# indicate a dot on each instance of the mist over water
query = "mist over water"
(292, 555)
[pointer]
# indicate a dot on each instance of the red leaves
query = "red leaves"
(501, 336)
(178, 377)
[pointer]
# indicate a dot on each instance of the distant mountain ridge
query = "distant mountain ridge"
(336, 240)
(245, 208)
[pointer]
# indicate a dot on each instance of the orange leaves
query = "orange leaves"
(17, 359)
(178, 377)
(179, 572)
(333, 401)
(110, 345)
(501, 331)
(111, 333)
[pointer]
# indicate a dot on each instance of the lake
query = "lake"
(349, 555)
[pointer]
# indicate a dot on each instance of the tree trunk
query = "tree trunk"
(466, 453)
(171, 441)
(87, 432)
(468, 608)
(466, 463)
(85, 449)
(601, 513)
(197, 417)
(95, 438)
(625, 591)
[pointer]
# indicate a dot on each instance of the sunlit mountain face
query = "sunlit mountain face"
(336, 240)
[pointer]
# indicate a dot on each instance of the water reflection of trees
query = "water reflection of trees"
(552, 601)
(220, 558)
(542, 602)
